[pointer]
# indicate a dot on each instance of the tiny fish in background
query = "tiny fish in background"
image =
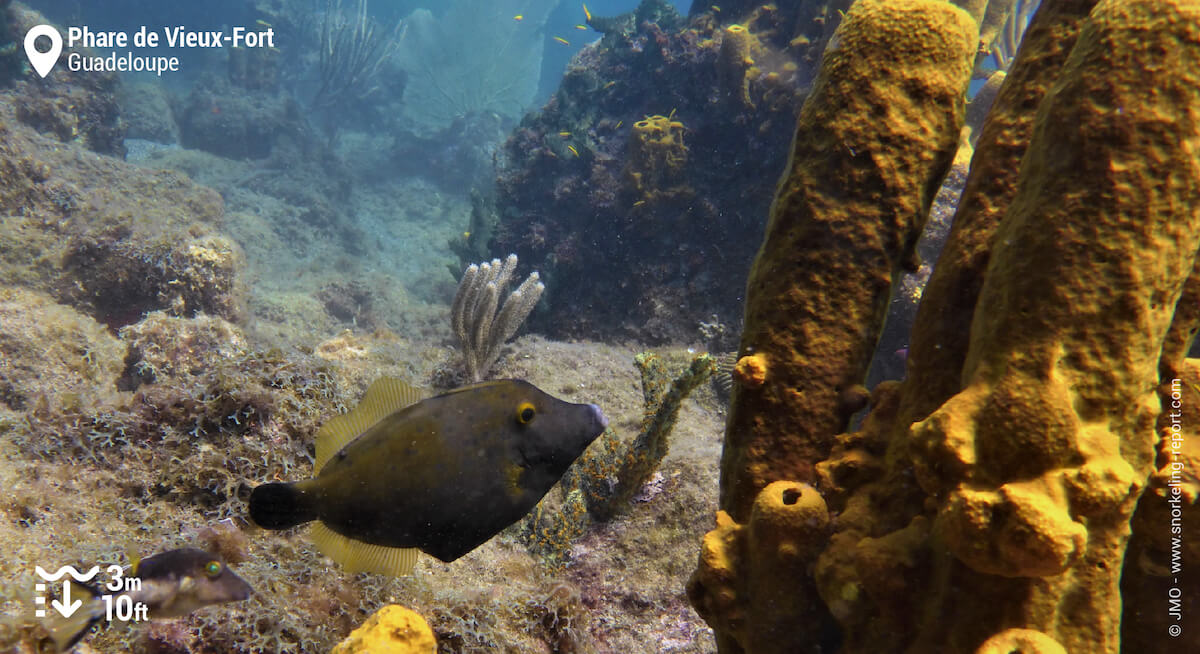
(399, 474)
(171, 584)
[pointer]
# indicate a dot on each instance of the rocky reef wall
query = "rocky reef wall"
(639, 190)
(986, 504)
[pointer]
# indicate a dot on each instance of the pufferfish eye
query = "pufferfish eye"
(525, 413)
(212, 568)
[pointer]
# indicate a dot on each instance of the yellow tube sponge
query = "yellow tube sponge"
(1038, 462)
(749, 584)
(657, 157)
(736, 63)
(872, 141)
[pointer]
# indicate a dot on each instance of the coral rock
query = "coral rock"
(51, 350)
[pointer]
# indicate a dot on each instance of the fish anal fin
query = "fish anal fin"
(385, 396)
(357, 556)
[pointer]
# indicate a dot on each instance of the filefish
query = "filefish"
(170, 584)
(443, 475)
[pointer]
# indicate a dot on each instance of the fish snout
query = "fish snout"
(598, 417)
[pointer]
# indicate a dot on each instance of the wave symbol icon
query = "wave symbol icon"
(68, 569)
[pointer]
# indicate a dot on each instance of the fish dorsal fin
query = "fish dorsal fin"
(385, 396)
(357, 556)
(134, 560)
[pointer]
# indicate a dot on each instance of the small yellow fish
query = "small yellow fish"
(716, 9)
(562, 40)
(564, 134)
(587, 14)
(519, 17)
(639, 203)
(581, 27)
(263, 22)
(619, 123)
(573, 150)
(609, 85)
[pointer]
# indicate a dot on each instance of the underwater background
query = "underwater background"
(821, 437)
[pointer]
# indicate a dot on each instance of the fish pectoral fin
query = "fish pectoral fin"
(385, 396)
(357, 556)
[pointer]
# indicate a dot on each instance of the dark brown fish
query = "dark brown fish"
(169, 584)
(442, 475)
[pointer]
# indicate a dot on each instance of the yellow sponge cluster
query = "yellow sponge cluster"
(657, 157)
(391, 630)
(1039, 447)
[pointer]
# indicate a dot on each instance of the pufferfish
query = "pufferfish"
(399, 474)
(169, 584)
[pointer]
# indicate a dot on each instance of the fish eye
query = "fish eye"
(525, 413)
(212, 568)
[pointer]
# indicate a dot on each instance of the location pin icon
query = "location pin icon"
(43, 62)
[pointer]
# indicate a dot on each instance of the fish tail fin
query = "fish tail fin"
(280, 506)
(66, 632)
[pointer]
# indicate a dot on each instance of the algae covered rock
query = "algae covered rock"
(147, 112)
(73, 107)
(51, 350)
(639, 189)
(232, 121)
(109, 238)
(391, 630)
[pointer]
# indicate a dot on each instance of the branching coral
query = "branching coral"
(352, 47)
(608, 476)
(480, 330)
